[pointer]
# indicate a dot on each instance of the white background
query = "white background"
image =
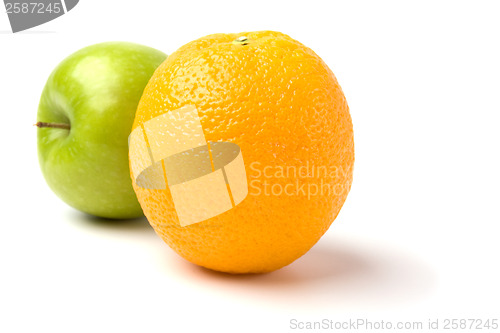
(417, 239)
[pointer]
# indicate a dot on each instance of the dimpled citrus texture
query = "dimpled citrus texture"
(283, 106)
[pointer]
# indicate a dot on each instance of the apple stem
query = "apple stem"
(53, 125)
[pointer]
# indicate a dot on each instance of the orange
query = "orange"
(283, 106)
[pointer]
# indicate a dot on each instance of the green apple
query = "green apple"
(84, 119)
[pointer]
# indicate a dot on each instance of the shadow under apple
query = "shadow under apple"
(136, 224)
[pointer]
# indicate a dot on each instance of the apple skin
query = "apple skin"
(95, 91)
